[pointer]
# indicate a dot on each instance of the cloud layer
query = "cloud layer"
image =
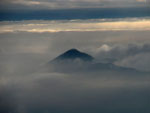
(61, 4)
(132, 55)
(26, 46)
(76, 25)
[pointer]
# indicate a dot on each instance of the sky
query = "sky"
(66, 4)
(34, 32)
(72, 9)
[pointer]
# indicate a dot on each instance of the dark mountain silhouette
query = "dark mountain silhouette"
(73, 54)
(75, 61)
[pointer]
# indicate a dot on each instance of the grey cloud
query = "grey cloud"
(59, 4)
(139, 61)
(58, 92)
(132, 55)
(119, 51)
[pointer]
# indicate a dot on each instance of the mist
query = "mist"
(24, 88)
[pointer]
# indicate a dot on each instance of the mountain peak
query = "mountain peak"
(73, 54)
(73, 50)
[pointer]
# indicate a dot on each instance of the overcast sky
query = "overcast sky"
(61, 4)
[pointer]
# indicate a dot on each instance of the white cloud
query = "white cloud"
(104, 47)
(24, 2)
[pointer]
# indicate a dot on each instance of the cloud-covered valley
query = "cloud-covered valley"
(24, 50)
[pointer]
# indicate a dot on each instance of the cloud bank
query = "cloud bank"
(131, 55)
(75, 25)
(62, 92)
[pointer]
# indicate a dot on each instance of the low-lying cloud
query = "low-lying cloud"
(62, 92)
(131, 55)
(24, 89)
